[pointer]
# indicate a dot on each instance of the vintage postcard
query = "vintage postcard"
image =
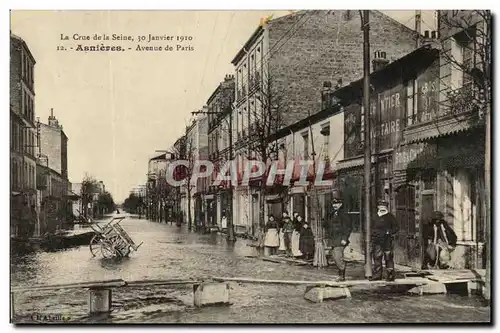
(265, 167)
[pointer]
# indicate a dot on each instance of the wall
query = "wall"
(327, 47)
(50, 142)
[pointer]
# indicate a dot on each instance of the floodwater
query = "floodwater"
(169, 252)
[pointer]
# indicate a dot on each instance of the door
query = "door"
(407, 250)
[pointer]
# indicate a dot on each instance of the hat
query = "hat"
(382, 203)
(437, 215)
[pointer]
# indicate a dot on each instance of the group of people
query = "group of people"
(291, 236)
(295, 238)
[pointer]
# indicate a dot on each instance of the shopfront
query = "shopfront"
(447, 174)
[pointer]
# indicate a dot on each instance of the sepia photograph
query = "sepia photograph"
(250, 166)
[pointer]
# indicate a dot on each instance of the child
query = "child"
(306, 245)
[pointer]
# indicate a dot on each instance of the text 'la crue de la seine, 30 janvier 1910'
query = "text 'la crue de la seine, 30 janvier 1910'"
(145, 43)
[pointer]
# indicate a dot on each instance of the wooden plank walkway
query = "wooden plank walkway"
(91, 284)
(351, 283)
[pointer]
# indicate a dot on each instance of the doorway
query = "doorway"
(407, 249)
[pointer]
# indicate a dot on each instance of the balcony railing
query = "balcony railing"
(463, 100)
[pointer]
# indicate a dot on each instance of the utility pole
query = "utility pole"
(230, 225)
(365, 23)
(418, 26)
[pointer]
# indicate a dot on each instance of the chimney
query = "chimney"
(325, 94)
(379, 60)
(52, 120)
(339, 84)
(430, 38)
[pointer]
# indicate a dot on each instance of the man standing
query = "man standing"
(384, 228)
(338, 228)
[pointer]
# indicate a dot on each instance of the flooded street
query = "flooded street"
(169, 252)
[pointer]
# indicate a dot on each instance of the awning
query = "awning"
(443, 127)
(352, 163)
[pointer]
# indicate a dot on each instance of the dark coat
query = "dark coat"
(306, 242)
(428, 233)
(271, 225)
(338, 226)
(384, 228)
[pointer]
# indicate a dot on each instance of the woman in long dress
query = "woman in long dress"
(223, 221)
(272, 238)
(306, 244)
(282, 248)
(295, 243)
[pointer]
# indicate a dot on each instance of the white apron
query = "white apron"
(295, 244)
(272, 238)
(282, 241)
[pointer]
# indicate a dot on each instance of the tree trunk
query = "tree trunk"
(262, 206)
(189, 210)
(487, 180)
(229, 217)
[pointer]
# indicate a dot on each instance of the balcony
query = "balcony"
(461, 111)
(463, 100)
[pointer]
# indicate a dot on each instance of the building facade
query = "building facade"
(277, 81)
(23, 142)
(219, 107)
(54, 187)
(452, 133)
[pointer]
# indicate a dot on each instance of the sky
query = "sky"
(119, 108)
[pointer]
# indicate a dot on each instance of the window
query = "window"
(325, 131)
(305, 137)
(462, 59)
(411, 101)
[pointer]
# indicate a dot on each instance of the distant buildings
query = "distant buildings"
(54, 188)
(40, 190)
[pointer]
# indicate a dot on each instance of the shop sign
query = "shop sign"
(414, 155)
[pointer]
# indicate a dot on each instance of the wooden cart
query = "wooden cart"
(111, 240)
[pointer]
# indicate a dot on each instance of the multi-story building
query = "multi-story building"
(55, 190)
(23, 133)
(452, 132)
(192, 147)
(428, 145)
(283, 65)
(159, 195)
(219, 107)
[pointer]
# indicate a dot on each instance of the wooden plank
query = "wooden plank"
(448, 281)
(91, 284)
(143, 283)
(413, 281)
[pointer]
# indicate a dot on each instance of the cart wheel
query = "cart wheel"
(107, 250)
(94, 242)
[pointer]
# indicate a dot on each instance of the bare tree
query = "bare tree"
(265, 120)
(186, 151)
(87, 191)
(471, 31)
